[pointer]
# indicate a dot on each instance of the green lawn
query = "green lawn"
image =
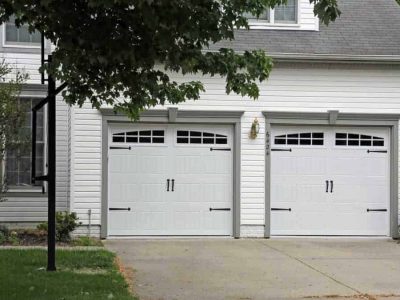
(80, 275)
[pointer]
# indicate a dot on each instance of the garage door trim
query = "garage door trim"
(390, 121)
(172, 115)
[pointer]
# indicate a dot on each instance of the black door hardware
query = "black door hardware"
(381, 209)
(327, 186)
(376, 151)
(115, 147)
(281, 150)
(331, 186)
(120, 208)
(220, 149)
(221, 209)
(281, 209)
(167, 185)
(173, 184)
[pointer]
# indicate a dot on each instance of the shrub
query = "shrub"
(3, 238)
(66, 223)
(4, 230)
(7, 236)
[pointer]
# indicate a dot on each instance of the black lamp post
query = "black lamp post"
(50, 177)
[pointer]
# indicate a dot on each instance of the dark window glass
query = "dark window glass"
(207, 134)
(341, 143)
(195, 140)
(145, 139)
(132, 133)
(365, 143)
(305, 135)
(296, 135)
(293, 141)
(158, 140)
(131, 139)
(353, 142)
(318, 135)
(366, 137)
(378, 143)
(183, 133)
(222, 141)
(354, 136)
(318, 142)
(208, 141)
(158, 132)
(341, 135)
(145, 133)
(280, 141)
(183, 140)
(195, 133)
(305, 142)
(118, 139)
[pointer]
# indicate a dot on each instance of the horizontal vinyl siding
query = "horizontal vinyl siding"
(28, 63)
(292, 87)
(23, 210)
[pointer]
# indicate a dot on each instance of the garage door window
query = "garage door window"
(199, 137)
(140, 137)
(353, 139)
(303, 139)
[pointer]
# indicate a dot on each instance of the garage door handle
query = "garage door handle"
(120, 208)
(124, 148)
(327, 186)
(223, 209)
(331, 186)
(281, 209)
(381, 209)
(220, 149)
(173, 184)
(167, 185)
(281, 150)
(376, 151)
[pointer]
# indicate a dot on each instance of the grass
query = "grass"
(82, 275)
(86, 242)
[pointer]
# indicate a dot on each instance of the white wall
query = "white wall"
(305, 88)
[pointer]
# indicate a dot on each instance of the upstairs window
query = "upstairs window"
(282, 14)
(20, 35)
(286, 13)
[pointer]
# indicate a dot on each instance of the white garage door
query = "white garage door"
(170, 180)
(329, 181)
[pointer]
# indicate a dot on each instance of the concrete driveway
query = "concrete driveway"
(262, 269)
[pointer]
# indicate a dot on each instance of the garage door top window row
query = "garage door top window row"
(199, 137)
(309, 138)
(140, 137)
(352, 139)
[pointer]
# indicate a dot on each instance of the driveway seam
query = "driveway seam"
(312, 268)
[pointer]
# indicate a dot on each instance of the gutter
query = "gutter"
(336, 58)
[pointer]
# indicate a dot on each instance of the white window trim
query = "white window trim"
(19, 45)
(259, 24)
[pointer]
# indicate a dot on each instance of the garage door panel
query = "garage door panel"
(198, 179)
(358, 179)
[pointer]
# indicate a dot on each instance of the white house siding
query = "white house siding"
(292, 87)
(26, 209)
